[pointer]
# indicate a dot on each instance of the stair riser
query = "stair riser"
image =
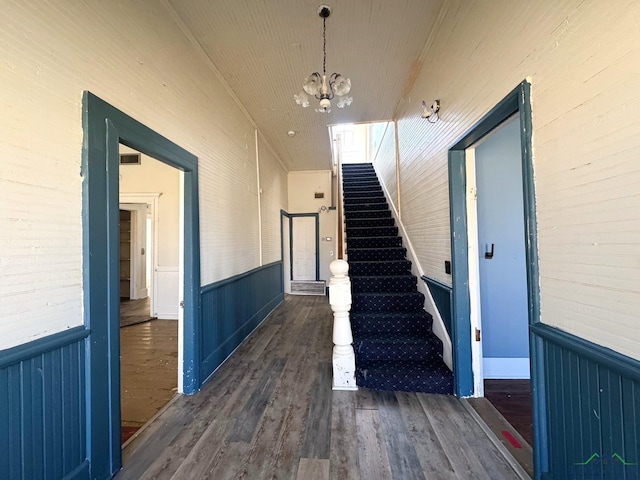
(396, 352)
(360, 200)
(387, 303)
(395, 326)
(361, 187)
(375, 254)
(372, 232)
(361, 180)
(375, 242)
(357, 191)
(370, 222)
(406, 283)
(440, 383)
(380, 268)
(364, 207)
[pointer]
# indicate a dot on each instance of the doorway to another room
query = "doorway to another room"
(495, 291)
(149, 245)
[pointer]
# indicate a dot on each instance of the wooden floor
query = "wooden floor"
(148, 369)
(269, 412)
(134, 311)
(512, 398)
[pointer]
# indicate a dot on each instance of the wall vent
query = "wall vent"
(130, 159)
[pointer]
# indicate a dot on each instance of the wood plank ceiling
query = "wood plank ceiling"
(264, 50)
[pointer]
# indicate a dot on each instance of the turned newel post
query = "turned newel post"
(344, 360)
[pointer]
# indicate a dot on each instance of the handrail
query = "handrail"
(341, 237)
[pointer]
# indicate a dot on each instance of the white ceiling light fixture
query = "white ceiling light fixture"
(318, 85)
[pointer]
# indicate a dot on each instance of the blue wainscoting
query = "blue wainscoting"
(441, 294)
(591, 396)
(231, 309)
(43, 408)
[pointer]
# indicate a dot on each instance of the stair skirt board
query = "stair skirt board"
(308, 287)
(394, 344)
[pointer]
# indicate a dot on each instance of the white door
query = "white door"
(303, 250)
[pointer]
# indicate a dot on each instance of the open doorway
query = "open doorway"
(149, 243)
(498, 287)
(105, 127)
(472, 243)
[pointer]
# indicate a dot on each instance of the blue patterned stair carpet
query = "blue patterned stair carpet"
(392, 337)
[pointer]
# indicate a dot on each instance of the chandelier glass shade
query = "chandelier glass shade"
(321, 86)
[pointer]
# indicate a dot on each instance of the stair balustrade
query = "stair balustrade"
(344, 360)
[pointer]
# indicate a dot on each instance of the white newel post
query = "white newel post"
(344, 360)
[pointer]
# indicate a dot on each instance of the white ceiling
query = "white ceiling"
(265, 49)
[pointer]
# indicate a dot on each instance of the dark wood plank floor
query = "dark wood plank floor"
(512, 398)
(133, 312)
(148, 370)
(269, 413)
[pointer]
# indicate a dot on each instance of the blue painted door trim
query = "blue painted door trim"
(105, 127)
(290, 216)
(518, 102)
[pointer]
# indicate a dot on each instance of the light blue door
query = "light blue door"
(502, 262)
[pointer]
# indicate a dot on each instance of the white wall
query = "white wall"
(273, 183)
(302, 187)
(582, 60)
(134, 56)
(153, 176)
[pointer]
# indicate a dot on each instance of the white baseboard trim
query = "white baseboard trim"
(511, 368)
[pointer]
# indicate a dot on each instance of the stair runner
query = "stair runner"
(393, 341)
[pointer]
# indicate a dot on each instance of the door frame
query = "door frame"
(290, 217)
(518, 101)
(152, 201)
(105, 128)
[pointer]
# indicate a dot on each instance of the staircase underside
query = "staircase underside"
(393, 341)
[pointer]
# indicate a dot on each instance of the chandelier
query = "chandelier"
(319, 85)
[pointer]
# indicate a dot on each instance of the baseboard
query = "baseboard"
(501, 368)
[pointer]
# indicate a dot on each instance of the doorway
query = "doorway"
(303, 248)
(494, 175)
(300, 250)
(466, 331)
(105, 128)
(149, 321)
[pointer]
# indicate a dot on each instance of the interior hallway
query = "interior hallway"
(269, 412)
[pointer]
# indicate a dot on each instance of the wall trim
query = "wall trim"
(43, 407)
(442, 299)
(20, 353)
(591, 406)
(258, 318)
(615, 361)
(231, 309)
(221, 283)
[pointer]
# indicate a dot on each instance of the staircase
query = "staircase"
(394, 345)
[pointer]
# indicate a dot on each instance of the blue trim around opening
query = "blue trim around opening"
(517, 101)
(105, 127)
(291, 216)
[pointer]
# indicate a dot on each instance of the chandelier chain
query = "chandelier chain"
(324, 45)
